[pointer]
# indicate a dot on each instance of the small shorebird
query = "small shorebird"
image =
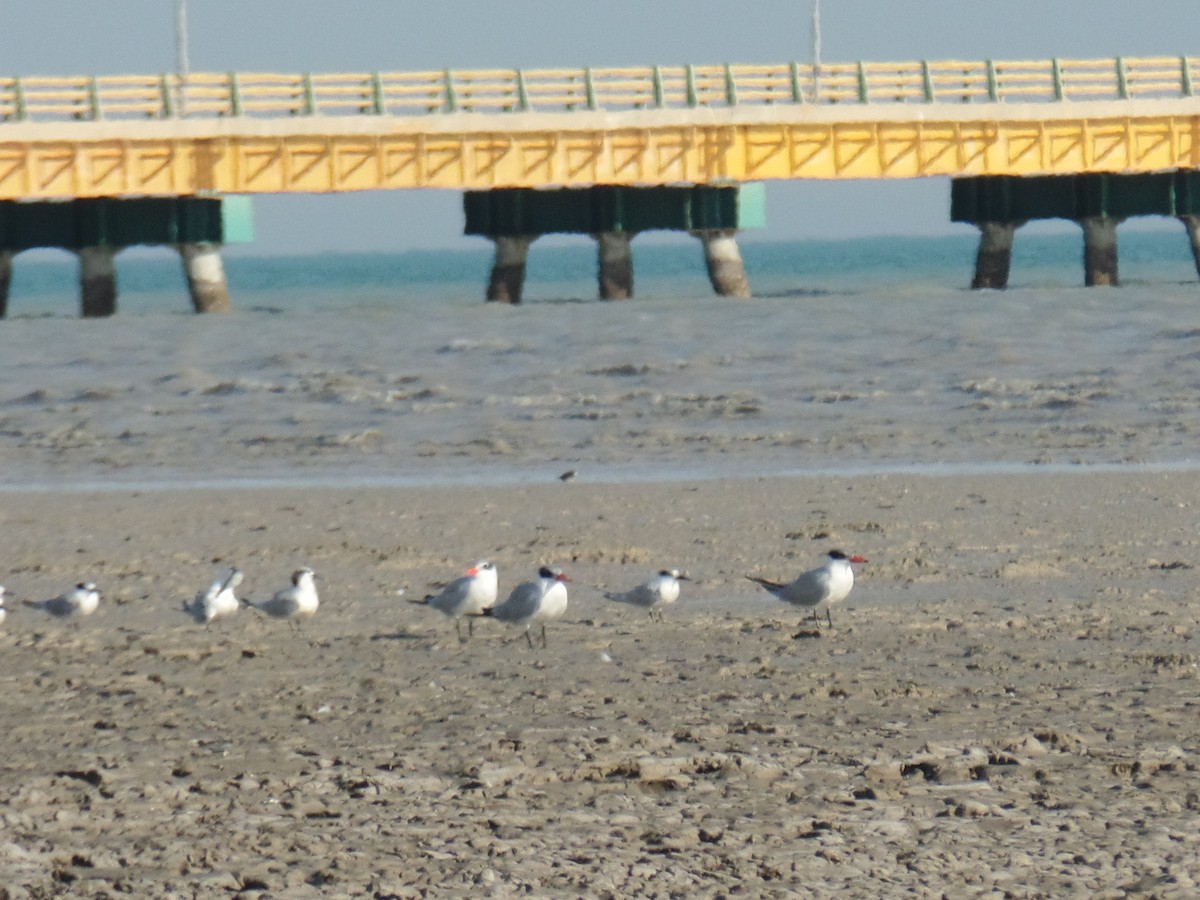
(217, 600)
(661, 590)
(468, 596)
(534, 602)
(81, 600)
(828, 584)
(297, 601)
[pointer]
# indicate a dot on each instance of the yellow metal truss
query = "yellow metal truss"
(701, 144)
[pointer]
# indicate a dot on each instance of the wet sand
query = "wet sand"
(1005, 706)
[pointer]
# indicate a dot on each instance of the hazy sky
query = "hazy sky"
(67, 37)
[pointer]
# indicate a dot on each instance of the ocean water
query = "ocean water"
(863, 355)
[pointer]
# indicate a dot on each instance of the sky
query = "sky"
(74, 37)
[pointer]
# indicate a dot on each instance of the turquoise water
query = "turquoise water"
(564, 269)
(853, 356)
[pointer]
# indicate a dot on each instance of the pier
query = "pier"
(999, 129)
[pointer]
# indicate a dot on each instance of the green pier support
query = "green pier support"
(1098, 202)
(96, 230)
(613, 214)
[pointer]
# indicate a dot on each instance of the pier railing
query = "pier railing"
(207, 95)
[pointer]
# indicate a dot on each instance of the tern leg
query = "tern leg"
(528, 639)
(829, 617)
(543, 637)
(458, 631)
(471, 627)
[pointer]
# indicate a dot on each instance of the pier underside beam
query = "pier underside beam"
(97, 229)
(614, 214)
(1098, 202)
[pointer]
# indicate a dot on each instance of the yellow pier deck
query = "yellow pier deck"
(470, 130)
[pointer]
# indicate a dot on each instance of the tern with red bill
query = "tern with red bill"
(469, 596)
(828, 584)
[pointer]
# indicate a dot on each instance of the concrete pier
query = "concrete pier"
(97, 281)
(1192, 224)
(6, 258)
(205, 274)
(994, 257)
(726, 271)
(1100, 251)
(615, 265)
(508, 268)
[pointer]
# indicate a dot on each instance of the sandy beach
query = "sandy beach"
(1005, 706)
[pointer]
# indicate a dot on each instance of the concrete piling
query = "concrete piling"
(97, 281)
(615, 265)
(508, 268)
(1100, 251)
(994, 257)
(6, 258)
(205, 274)
(726, 271)
(1192, 224)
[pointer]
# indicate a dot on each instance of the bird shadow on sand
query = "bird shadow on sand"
(398, 636)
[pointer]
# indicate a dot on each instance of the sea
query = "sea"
(853, 356)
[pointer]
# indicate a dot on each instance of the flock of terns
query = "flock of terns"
(530, 605)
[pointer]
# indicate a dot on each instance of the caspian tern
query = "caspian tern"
(217, 600)
(661, 590)
(828, 584)
(534, 602)
(297, 601)
(81, 600)
(467, 596)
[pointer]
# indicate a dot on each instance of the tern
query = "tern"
(81, 600)
(535, 602)
(661, 590)
(828, 584)
(297, 601)
(468, 596)
(3, 611)
(217, 600)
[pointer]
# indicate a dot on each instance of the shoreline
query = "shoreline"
(596, 474)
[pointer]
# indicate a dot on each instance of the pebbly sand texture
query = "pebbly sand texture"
(1007, 705)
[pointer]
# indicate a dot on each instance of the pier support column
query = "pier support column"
(726, 271)
(205, 275)
(1099, 251)
(508, 268)
(1192, 224)
(994, 258)
(97, 281)
(6, 258)
(615, 265)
